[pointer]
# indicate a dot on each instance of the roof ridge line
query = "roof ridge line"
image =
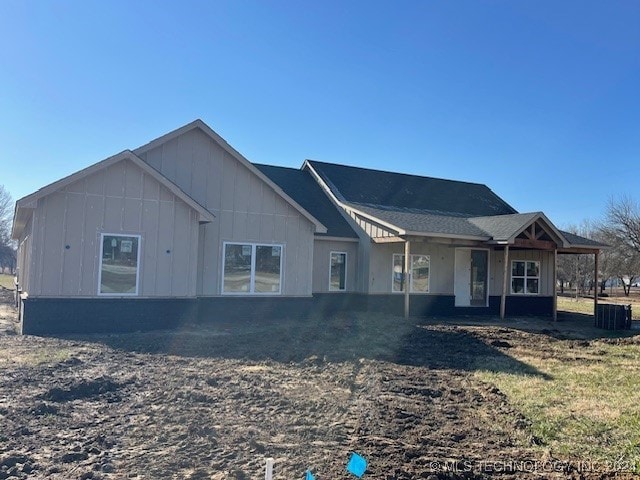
(389, 172)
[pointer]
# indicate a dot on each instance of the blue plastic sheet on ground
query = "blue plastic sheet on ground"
(309, 476)
(357, 465)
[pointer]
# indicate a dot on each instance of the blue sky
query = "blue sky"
(540, 100)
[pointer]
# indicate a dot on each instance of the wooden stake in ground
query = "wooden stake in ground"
(268, 471)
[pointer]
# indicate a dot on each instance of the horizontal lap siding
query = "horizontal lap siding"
(246, 209)
(120, 199)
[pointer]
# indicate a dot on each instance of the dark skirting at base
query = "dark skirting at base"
(106, 315)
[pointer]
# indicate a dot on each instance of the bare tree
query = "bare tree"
(623, 222)
(577, 270)
(7, 258)
(607, 264)
(563, 272)
(6, 211)
(621, 230)
(623, 261)
(7, 248)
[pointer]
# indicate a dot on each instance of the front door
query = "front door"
(471, 277)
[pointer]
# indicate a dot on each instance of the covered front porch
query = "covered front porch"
(511, 273)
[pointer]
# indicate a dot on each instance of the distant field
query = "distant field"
(585, 305)
(6, 281)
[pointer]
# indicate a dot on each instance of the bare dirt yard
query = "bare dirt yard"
(439, 399)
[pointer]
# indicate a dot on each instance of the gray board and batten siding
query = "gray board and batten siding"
(340, 237)
(321, 263)
(185, 196)
(246, 208)
(442, 267)
(66, 228)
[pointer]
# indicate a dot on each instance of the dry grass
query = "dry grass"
(31, 358)
(6, 281)
(587, 407)
(584, 305)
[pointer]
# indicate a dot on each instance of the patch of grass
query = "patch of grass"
(33, 358)
(585, 305)
(582, 305)
(588, 406)
(6, 281)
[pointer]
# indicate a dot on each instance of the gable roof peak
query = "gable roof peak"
(215, 137)
(197, 123)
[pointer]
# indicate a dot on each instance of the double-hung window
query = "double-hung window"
(119, 271)
(252, 268)
(419, 267)
(338, 272)
(525, 277)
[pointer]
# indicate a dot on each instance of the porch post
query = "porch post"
(555, 284)
(595, 286)
(407, 281)
(505, 274)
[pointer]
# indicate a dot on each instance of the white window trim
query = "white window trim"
(525, 277)
(139, 260)
(345, 272)
(411, 255)
(252, 280)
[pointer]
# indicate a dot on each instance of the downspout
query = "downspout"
(407, 281)
(503, 299)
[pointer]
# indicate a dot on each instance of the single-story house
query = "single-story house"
(187, 229)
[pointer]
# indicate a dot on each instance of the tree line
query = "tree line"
(620, 260)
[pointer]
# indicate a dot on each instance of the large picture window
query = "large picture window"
(525, 277)
(251, 268)
(338, 272)
(419, 266)
(119, 264)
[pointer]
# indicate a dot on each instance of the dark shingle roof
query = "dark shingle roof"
(302, 188)
(387, 189)
(577, 240)
(425, 222)
(503, 227)
(430, 205)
